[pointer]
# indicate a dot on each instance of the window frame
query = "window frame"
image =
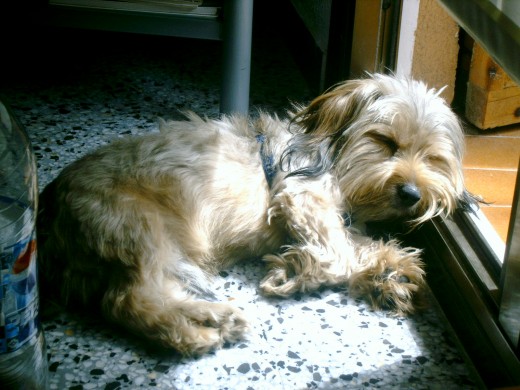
(469, 297)
(475, 284)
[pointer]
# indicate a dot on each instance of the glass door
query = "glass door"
(473, 265)
(495, 25)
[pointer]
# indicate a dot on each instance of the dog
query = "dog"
(140, 227)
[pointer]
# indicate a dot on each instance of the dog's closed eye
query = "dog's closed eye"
(389, 143)
(435, 159)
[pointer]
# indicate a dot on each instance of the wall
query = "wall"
(428, 45)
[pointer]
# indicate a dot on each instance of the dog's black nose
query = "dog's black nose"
(408, 194)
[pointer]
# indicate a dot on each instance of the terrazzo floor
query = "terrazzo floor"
(106, 86)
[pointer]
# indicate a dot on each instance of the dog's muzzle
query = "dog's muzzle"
(408, 195)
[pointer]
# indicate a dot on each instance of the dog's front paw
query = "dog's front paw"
(277, 282)
(296, 270)
(391, 279)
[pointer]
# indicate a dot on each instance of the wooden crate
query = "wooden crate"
(492, 99)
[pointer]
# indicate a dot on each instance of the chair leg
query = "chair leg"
(238, 23)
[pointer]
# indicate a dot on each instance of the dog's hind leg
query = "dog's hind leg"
(158, 299)
(121, 252)
(169, 316)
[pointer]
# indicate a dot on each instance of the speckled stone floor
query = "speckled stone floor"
(72, 98)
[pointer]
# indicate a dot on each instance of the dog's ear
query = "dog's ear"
(323, 123)
(331, 113)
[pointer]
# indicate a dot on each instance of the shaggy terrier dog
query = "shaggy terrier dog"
(140, 227)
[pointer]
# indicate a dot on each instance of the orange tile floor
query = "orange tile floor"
(490, 167)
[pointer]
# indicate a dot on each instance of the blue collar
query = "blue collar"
(267, 161)
(347, 219)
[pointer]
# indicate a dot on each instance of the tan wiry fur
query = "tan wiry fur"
(140, 227)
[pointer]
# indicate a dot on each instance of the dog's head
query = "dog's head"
(394, 144)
